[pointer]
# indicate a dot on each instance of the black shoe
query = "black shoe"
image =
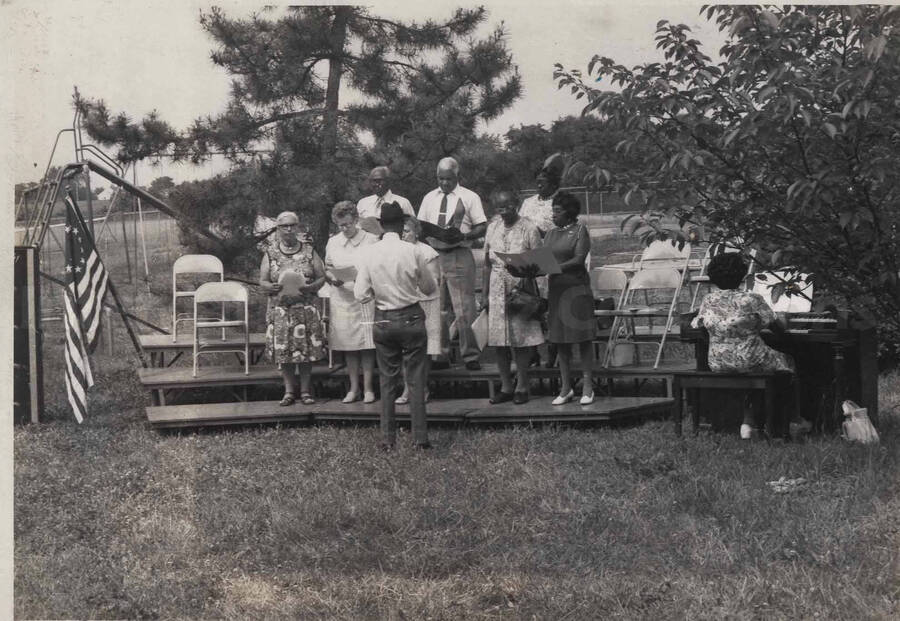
(437, 365)
(520, 397)
(473, 365)
(423, 446)
(501, 397)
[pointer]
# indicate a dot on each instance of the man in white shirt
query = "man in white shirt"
(395, 276)
(451, 205)
(380, 183)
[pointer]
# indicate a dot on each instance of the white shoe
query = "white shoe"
(401, 400)
(746, 432)
(350, 398)
(587, 399)
(369, 397)
(563, 399)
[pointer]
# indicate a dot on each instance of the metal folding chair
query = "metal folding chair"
(192, 264)
(607, 283)
(666, 283)
(223, 292)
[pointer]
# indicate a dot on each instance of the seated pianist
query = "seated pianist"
(734, 320)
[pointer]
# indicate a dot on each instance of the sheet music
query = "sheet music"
(542, 257)
(345, 273)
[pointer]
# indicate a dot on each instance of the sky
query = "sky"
(141, 56)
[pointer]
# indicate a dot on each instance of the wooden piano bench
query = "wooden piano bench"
(697, 381)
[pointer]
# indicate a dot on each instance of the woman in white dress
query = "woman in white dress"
(350, 323)
(431, 304)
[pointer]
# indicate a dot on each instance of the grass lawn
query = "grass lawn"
(115, 520)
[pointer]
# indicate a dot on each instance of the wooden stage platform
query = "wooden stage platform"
(165, 382)
(161, 345)
(459, 411)
(160, 379)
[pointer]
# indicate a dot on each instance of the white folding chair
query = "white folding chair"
(666, 284)
(607, 283)
(223, 292)
(192, 264)
(663, 253)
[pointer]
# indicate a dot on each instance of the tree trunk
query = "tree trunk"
(338, 39)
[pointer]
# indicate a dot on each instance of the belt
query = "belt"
(413, 306)
(446, 250)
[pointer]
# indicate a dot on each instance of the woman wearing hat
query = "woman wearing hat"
(295, 333)
(539, 208)
(350, 323)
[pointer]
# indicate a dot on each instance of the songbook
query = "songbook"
(542, 257)
(290, 282)
(346, 273)
(449, 236)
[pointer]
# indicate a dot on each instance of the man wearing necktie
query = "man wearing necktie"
(451, 205)
(370, 206)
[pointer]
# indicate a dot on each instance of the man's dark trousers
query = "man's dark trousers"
(400, 335)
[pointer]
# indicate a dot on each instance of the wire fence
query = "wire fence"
(138, 249)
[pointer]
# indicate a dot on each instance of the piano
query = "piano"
(835, 355)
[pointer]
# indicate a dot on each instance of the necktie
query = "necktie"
(442, 215)
(378, 204)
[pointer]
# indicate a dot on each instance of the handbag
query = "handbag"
(525, 300)
(857, 426)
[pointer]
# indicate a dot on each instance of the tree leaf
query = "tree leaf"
(830, 129)
(847, 107)
(777, 290)
(731, 136)
(770, 19)
(776, 257)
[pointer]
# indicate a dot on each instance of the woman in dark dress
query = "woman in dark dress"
(571, 314)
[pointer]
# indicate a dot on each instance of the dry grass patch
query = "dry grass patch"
(114, 520)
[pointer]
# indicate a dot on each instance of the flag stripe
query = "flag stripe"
(86, 284)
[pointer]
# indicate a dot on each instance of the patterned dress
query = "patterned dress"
(294, 333)
(509, 329)
(734, 320)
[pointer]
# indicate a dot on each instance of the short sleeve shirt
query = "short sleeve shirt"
(460, 201)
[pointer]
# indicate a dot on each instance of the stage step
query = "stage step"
(201, 414)
(468, 411)
(603, 409)
(181, 377)
(437, 410)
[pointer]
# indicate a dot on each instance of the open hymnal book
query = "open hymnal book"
(542, 257)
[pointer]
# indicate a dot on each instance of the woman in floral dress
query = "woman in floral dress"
(734, 320)
(508, 233)
(295, 333)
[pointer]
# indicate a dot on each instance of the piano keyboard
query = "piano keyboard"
(803, 323)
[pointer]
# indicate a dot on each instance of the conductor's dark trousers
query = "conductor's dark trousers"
(400, 336)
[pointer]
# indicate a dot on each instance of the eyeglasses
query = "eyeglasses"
(288, 226)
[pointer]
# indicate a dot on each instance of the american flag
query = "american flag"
(86, 285)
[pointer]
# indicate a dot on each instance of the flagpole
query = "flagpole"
(112, 290)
